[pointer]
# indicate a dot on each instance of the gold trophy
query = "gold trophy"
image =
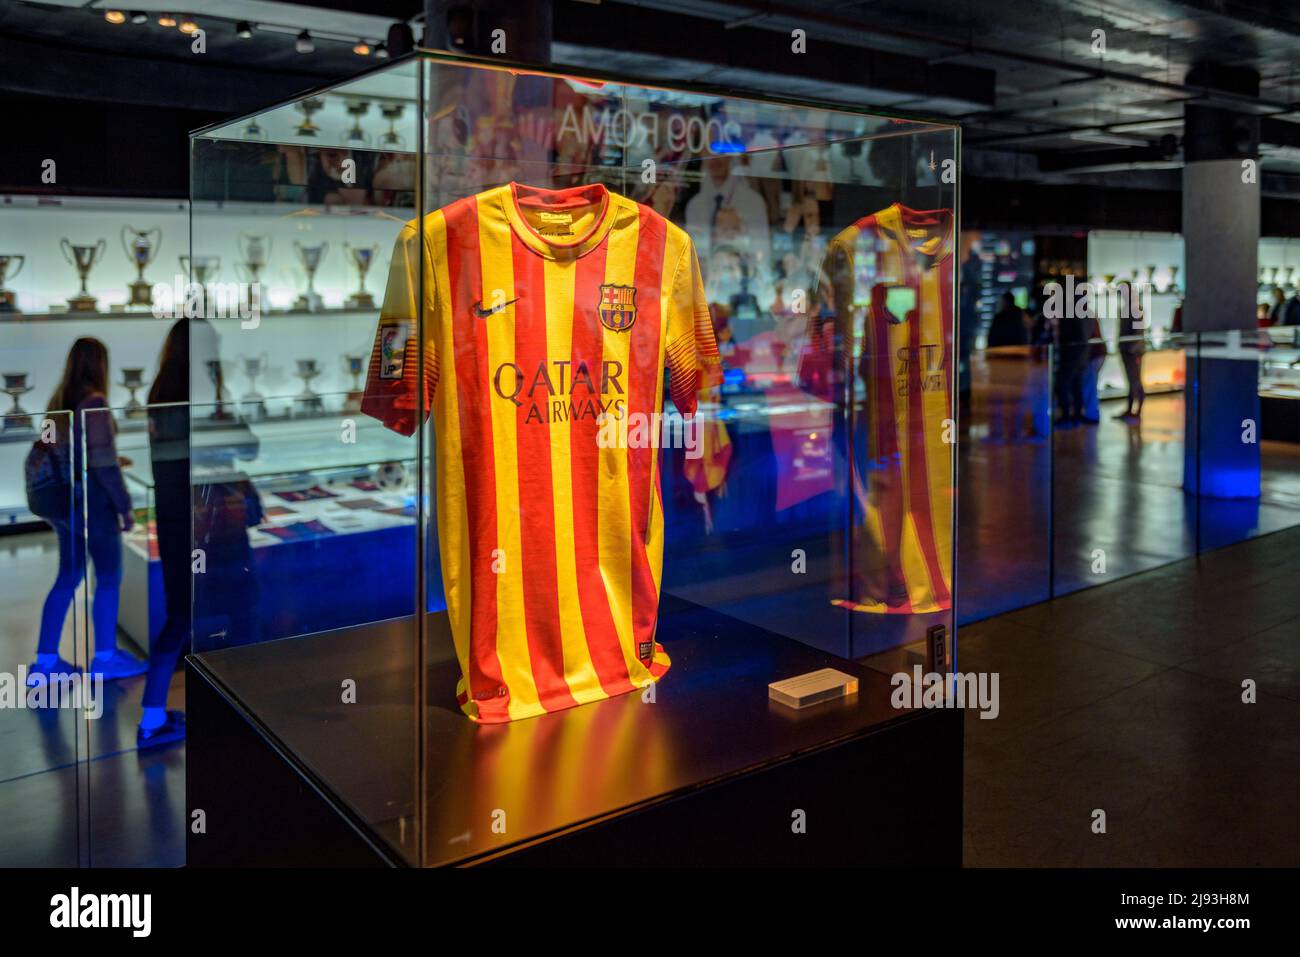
(392, 112)
(256, 250)
(357, 108)
(141, 249)
(83, 259)
(7, 302)
(363, 257)
(312, 104)
(311, 257)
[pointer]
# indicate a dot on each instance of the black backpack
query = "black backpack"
(47, 474)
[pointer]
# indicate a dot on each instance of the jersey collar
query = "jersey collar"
(558, 199)
(934, 242)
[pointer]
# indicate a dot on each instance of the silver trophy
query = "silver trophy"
(16, 419)
(310, 257)
(255, 250)
(355, 367)
(133, 381)
(363, 257)
(253, 401)
(308, 401)
(7, 301)
(141, 248)
(83, 259)
(201, 269)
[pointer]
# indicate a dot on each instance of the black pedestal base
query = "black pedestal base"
(712, 774)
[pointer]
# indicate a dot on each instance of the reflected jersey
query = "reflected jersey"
(548, 319)
(885, 335)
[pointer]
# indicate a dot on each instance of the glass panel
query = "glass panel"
(138, 609)
(304, 510)
(42, 724)
(1279, 426)
(1004, 536)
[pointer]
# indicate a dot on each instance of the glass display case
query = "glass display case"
(552, 419)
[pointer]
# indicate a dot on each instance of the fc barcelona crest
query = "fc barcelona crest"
(617, 306)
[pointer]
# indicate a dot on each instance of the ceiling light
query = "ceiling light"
(381, 51)
(139, 16)
(243, 30)
(166, 20)
(303, 44)
(115, 16)
(188, 26)
(362, 48)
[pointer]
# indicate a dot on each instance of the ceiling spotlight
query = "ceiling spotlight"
(188, 26)
(303, 44)
(243, 30)
(166, 20)
(115, 16)
(362, 48)
(381, 51)
(139, 16)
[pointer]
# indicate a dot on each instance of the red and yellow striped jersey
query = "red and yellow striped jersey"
(544, 311)
(886, 301)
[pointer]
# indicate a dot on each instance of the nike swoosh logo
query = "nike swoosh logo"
(482, 313)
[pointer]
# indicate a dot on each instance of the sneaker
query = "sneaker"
(117, 664)
(169, 732)
(37, 676)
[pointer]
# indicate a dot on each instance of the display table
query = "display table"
(710, 773)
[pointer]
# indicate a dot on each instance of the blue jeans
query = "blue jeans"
(106, 554)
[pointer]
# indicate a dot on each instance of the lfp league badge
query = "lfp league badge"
(617, 306)
(392, 349)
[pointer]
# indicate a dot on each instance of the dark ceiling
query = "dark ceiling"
(1041, 104)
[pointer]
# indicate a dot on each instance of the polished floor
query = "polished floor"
(70, 787)
(1128, 699)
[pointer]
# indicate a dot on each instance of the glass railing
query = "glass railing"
(1069, 476)
(42, 641)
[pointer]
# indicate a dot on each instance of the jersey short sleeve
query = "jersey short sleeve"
(392, 394)
(691, 353)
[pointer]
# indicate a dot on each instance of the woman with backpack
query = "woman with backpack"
(98, 512)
